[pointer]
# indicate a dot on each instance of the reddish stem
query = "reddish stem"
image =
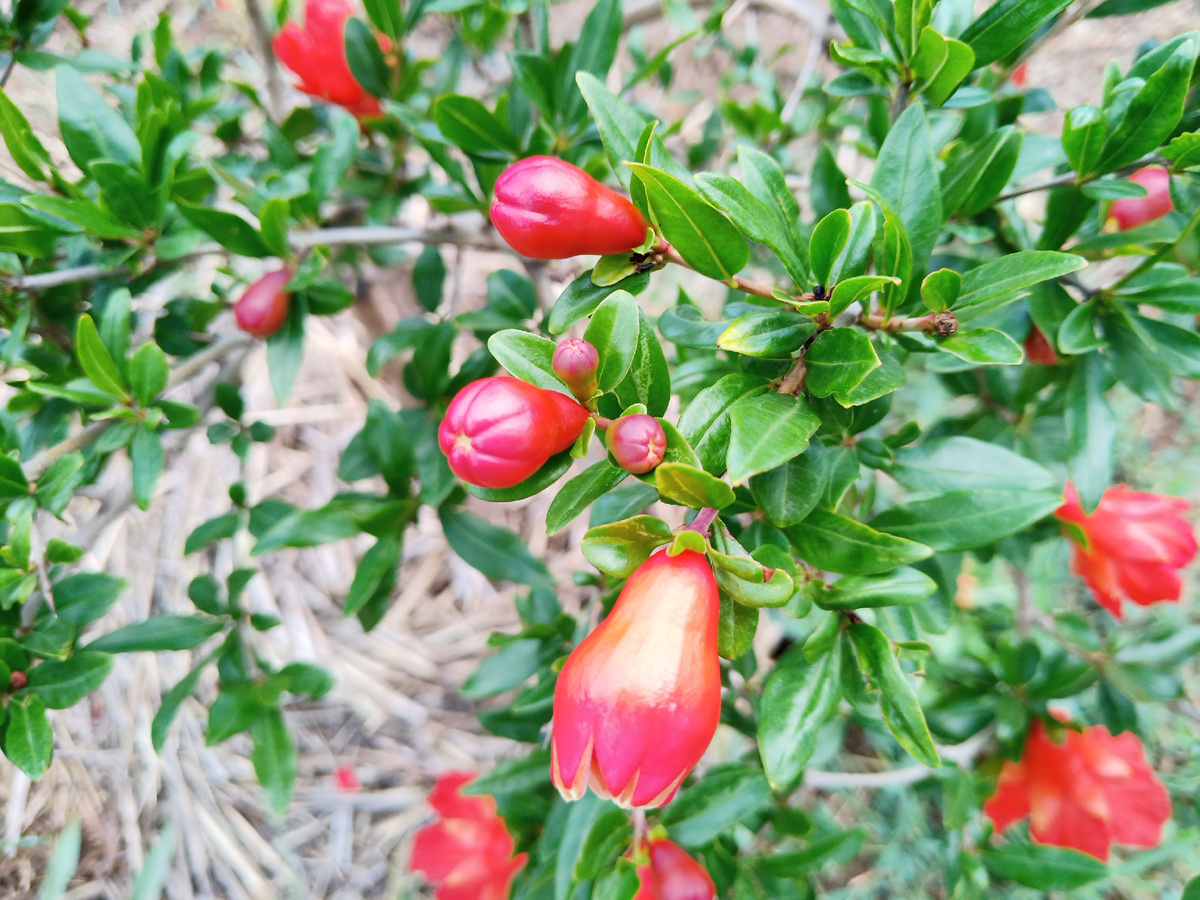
(703, 521)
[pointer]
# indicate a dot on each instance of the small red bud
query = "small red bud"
(671, 874)
(637, 442)
(345, 779)
(1130, 212)
(1038, 349)
(18, 681)
(546, 208)
(263, 308)
(1019, 76)
(498, 431)
(576, 362)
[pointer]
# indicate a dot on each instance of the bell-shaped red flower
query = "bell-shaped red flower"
(673, 875)
(546, 208)
(263, 308)
(500, 430)
(1136, 544)
(1129, 212)
(468, 853)
(1087, 792)
(638, 702)
(316, 53)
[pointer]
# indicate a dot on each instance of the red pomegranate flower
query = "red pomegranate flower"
(1135, 545)
(1129, 212)
(1087, 792)
(673, 875)
(468, 854)
(316, 53)
(638, 702)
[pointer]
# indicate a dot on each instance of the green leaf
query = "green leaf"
(1091, 430)
(1006, 25)
(124, 190)
(274, 758)
(494, 551)
(148, 373)
(149, 883)
(838, 544)
(705, 423)
(838, 360)
(756, 219)
(63, 683)
(906, 177)
(961, 462)
(648, 380)
(788, 493)
(967, 519)
(23, 146)
(828, 239)
(1003, 278)
(770, 333)
(87, 215)
(620, 128)
(857, 290)
(376, 568)
(166, 631)
(942, 64)
(580, 816)
(912, 18)
(609, 835)
(12, 478)
(273, 225)
(63, 862)
(208, 533)
(91, 128)
(766, 181)
(984, 347)
(613, 331)
(580, 492)
(1043, 867)
(429, 275)
(1191, 890)
(798, 697)
(618, 548)
(146, 459)
(469, 124)
(555, 468)
(1083, 134)
(704, 237)
(285, 351)
(766, 430)
(505, 669)
(85, 596)
(701, 812)
(897, 701)
(594, 53)
(28, 741)
(365, 58)
(526, 356)
(743, 579)
(975, 178)
(1152, 114)
(386, 16)
(26, 234)
(97, 364)
(940, 289)
(582, 296)
(334, 156)
(1184, 151)
(228, 229)
(619, 883)
(842, 846)
(902, 587)
(691, 486)
(736, 625)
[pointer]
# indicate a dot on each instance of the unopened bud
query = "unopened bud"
(638, 443)
(576, 362)
(18, 681)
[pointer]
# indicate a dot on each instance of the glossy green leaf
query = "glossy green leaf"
(839, 544)
(984, 347)
(960, 462)
(1153, 112)
(23, 145)
(148, 373)
(23, 233)
(609, 835)
(857, 290)
(365, 58)
(838, 360)
(1083, 134)
(90, 127)
(766, 430)
(165, 631)
(702, 235)
(620, 127)
(788, 493)
(828, 240)
(906, 177)
(582, 296)
(28, 741)
(705, 423)
(736, 626)
(274, 758)
(967, 519)
(701, 812)
(580, 492)
(1006, 25)
(1046, 868)
(527, 356)
(96, 361)
(613, 331)
(940, 289)
(771, 333)
(146, 458)
(897, 700)
(63, 683)
(692, 486)
(1003, 279)
(85, 596)
(494, 551)
(974, 178)
(902, 587)
(798, 697)
(618, 548)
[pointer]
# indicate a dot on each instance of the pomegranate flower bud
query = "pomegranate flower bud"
(1087, 792)
(1038, 350)
(468, 854)
(19, 680)
(637, 442)
(316, 53)
(263, 308)
(638, 702)
(673, 875)
(1129, 212)
(498, 431)
(546, 208)
(576, 362)
(1136, 544)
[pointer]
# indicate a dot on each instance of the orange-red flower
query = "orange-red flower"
(1135, 545)
(638, 702)
(468, 854)
(1088, 792)
(673, 875)
(1129, 212)
(317, 54)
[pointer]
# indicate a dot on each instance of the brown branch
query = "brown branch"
(745, 285)
(941, 324)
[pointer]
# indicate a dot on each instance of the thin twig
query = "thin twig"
(1025, 607)
(1071, 178)
(262, 35)
(810, 64)
(963, 755)
(941, 324)
(758, 289)
(300, 240)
